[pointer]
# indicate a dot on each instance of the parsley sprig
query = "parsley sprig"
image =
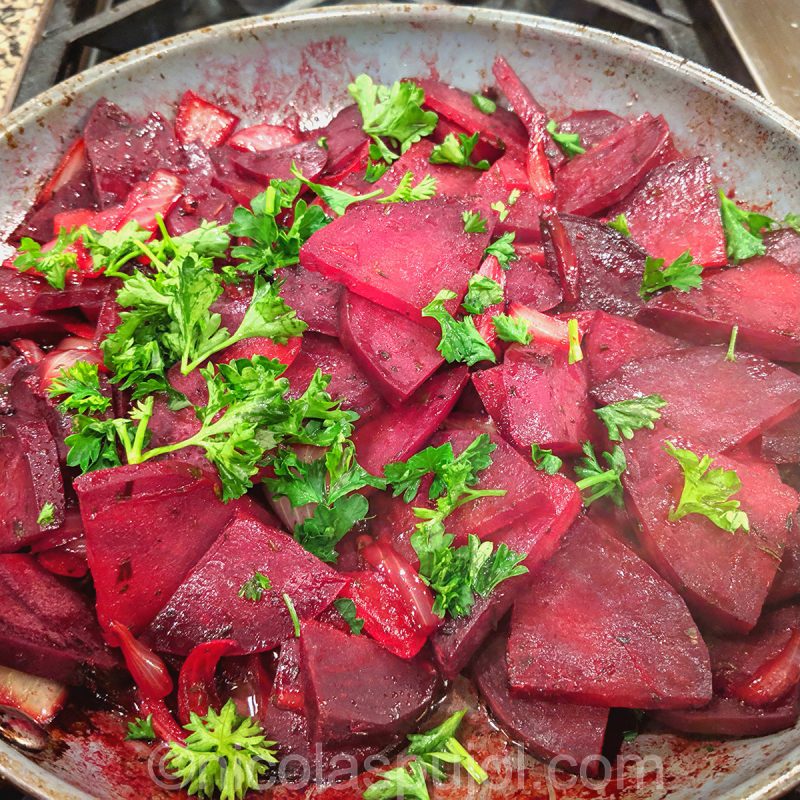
(570, 143)
(602, 482)
(482, 292)
(743, 229)
(545, 460)
(512, 329)
(623, 418)
(457, 150)
(503, 249)
(54, 263)
(682, 274)
(460, 340)
(79, 385)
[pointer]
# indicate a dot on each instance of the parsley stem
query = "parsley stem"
(593, 480)
(187, 366)
(473, 768)
(135, 454)
(150, 254)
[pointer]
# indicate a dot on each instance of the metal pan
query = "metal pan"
(299, 65)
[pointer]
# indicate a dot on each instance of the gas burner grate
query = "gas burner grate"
(80, 33)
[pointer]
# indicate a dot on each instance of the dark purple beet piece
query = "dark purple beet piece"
(602, 628)
(143, 540)
(123, 151)
(675, 209)
(787, 580)
(609, 265)
(314, 297)
(397, 354)
(536, 534)
(48, 628)
(784, 246)
(781, 443)
(91, 292)
(714, 402)
(244, 547)
(546, 729)
(396, 434)
(724, 577)
(592, 125)
(356, 690)
(605, 174)
(401, 255)
(344, 138)
(309, 157)
(761, 297)
(348, 382)
(530, 284)
(613, 341)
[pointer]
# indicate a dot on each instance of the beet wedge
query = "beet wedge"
(607, 173)
(530, 284)
(781, 443)
(602, 628)
(48, 628)
(337, 667)
(786, 585)
(396, 434)
(592, 126)
(309, 157)
(313, 297)
(724, 577)
(761, 297)
(572, 733)
(397, 354)
(244, 547)
(784, 246)
(715, 403)
(401, 255)
(676, 208)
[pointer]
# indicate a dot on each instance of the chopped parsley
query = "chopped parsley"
(570, 143)
(254, 587)
(347, 608)
(46, 515)
(620, 224)
(482, 292)
(457, 150)
(141, 729)
(473, 222)
(287, 601)
(730, 355)
(601, 482)
(545, 460)
(375, 170)
(79, 385)
(461, 341)
(503, 250)
(682, 274)
(54, 263)
(484, 104)
(575, 353)
(623, 418)
(743, 230)
(512, 329)
(407, 192)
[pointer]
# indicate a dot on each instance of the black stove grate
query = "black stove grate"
(80, 33)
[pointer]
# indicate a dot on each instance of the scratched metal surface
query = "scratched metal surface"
(299, 65)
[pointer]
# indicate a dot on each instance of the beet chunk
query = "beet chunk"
(313, 297)
(609, 266)
(244, 547)
(146, 527)
(546, 729)
(781, 443)
(761, 297)
(716, 403)
(309, 157)
(591, 125)
(356, 690)
(602, 628)
(48, 628)
(396, 353)
(399, 255)
(787, 581)
(784, 246)
(344, 137)
(348, 382)
(608, 172)
(397, 434)
(724, 577)
(530, 284)
(676, 209)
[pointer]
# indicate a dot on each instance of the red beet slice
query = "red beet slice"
(348, 382)
(399, 255)
(309, 157)
(547, 730)
(48, 628)
(783, 245)
(344, 138)
(260, 138)
(602, 628)
(761, 297)
(337, 668)
(613, 341)
(499, 129)
(244, 547)
(787, 581)
(397, 354)
(537, 535)
(397, 434)
(592, 125)
(606, 266)
(143, 539)
(313, 297)
(607, 173)
(530, 284)
(723, 577)
(198, 120)
(523, 215)
(714, 402)
(781, 443)
(538, 397)
(675, 209)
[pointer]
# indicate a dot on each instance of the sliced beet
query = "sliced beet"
(613, 341)
(122, 151)
(546, 729)
(675, 209)
(309, 157)
(536, 534)
(530, 284)
(396, 434)
(724, 577)
(786, 585)
(761, 297)
(602, 628)
(259, 138)
(314, 297)
(784, 246)
(48, 628)
(607, 173)
(337, 668)
(348, 382)
(522, 217)
(401, 255)
(781, 443)
(91, 292)
(536, 396)
(592, 126)
(609, 266)
(397, 354)
(144, 533)
(198, 120)
(244, 547)
(344, 138)
(714, 402)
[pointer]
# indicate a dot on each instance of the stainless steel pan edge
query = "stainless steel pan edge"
(753, 145)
